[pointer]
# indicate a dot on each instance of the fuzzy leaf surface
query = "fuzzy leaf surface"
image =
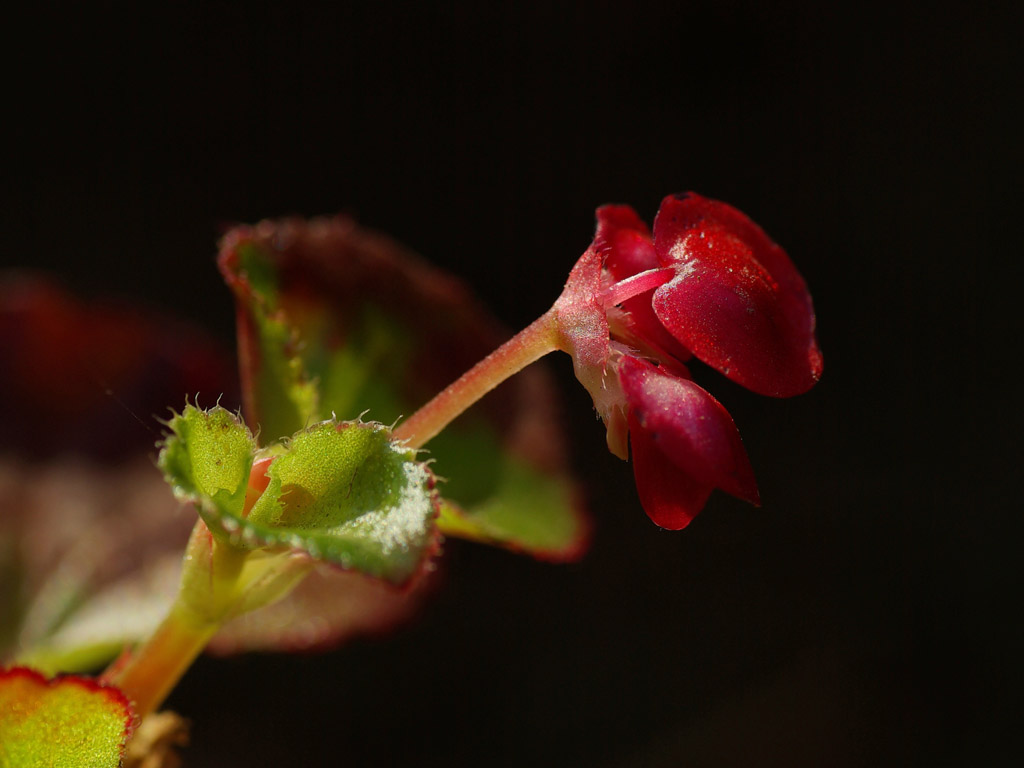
(63, 723)
(346, 494)
(341, 492)
(207, 459)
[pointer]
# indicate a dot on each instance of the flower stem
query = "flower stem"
(532, 343)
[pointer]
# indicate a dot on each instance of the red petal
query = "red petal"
(670, 496)
(688, 426)
(737, 301)
(625, 241)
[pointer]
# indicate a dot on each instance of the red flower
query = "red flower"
(709, 283)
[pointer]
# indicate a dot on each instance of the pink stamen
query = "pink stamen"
(635, 285)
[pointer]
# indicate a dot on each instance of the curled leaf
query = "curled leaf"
(340, 492)
(207, 459)
(344, 493)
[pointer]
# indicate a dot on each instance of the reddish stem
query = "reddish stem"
(155, 668)
(532, 343)
(152, 669)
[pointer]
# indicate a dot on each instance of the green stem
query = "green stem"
(532, 343)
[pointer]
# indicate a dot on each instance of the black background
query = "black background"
(869, 612)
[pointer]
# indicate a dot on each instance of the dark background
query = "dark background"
(869, 613)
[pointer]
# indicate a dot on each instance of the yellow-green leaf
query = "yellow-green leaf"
(340, 492)
(68, 722)
(207, 458)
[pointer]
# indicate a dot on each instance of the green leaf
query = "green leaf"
(527, 511)
(346, 494)
(64, 723)
(207, 459)
(341, 492)
(279, 396)
(503, 499)
(378, 329)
